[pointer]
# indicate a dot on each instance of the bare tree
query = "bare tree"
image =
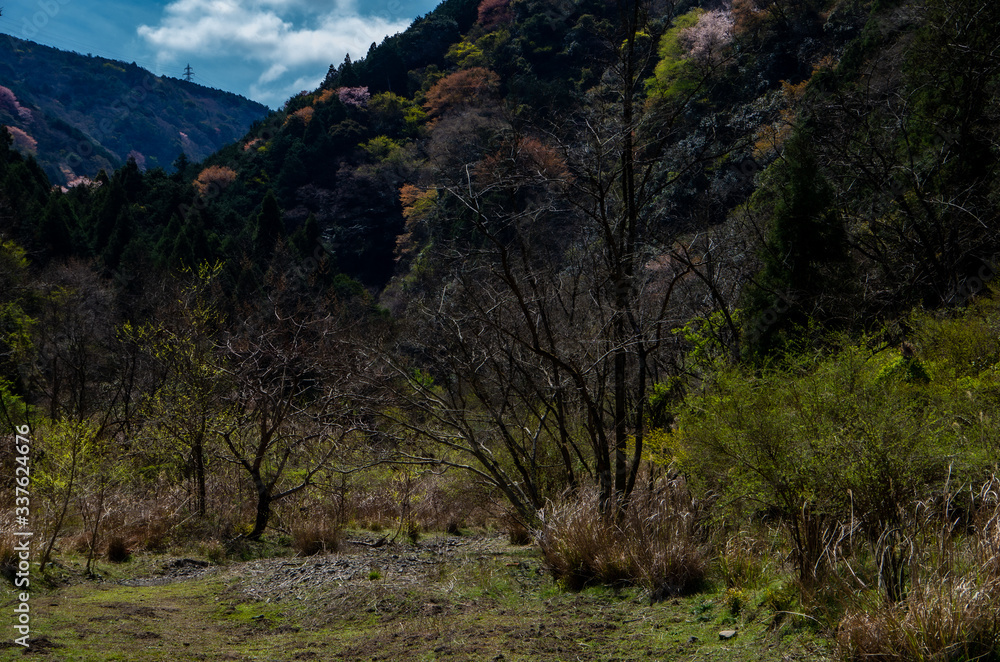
(556, 316)
(292, 401)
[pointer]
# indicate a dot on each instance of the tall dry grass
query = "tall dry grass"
(654, 543)
(951, 610)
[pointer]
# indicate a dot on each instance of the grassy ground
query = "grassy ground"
(456, 599)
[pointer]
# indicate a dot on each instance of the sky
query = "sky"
(265, 50)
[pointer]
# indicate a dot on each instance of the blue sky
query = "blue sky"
(266, 50)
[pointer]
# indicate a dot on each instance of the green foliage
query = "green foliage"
(17, 325)
(674, 77)
(395, 115)
(826, 439)
(382, 148)
(466, 54)
(13, 410)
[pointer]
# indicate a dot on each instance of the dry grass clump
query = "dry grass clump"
(8, 559)
(950, 611)
(434, 502)
(117, 551)
(318, 536)
(654, 543)
(517, 532)
(952, 619)
(742, 562)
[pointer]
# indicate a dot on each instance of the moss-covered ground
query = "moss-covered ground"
(451, 602)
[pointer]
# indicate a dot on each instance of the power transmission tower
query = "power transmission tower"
(188, 73)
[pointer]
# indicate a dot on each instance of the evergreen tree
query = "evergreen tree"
(305, 239)
(269, 227)
(56, 228)
(120, 237)
(803, 255)
(108, 207)
(346, 75)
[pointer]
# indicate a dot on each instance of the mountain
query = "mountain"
(80, 114)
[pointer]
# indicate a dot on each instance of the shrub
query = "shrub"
(945, 619)
(949, 611)
(413, 532)
(315, 537)
(117, 550)
(654, 543)
(469, 86)
(821, 445)
(8, 560)
(213, 550)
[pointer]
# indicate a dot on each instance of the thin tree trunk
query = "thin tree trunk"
(263, 508)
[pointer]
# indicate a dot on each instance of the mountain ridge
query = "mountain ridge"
(82, 114)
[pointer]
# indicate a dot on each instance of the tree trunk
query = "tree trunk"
(263, 509)
(198, 453)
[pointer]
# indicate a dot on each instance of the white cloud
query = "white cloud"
(289, 38)
(285, 90)
(275, 72)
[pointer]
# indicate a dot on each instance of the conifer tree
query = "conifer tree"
(805, 249)
(55, 230)
(269, 227)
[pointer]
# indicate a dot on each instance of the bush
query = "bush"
(8, 560)
(946, 619)
(315, 537)
(949, 611)
(653, 544)
(118, 550)
(823, 443)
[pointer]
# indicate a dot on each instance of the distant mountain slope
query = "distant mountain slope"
(80, 114)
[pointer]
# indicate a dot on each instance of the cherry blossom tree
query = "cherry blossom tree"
(22, 140)
(354, 96)
(493, 13)
(214, 178)
(705, 40)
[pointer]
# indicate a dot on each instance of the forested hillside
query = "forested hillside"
(679, 287)
(80, 114)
